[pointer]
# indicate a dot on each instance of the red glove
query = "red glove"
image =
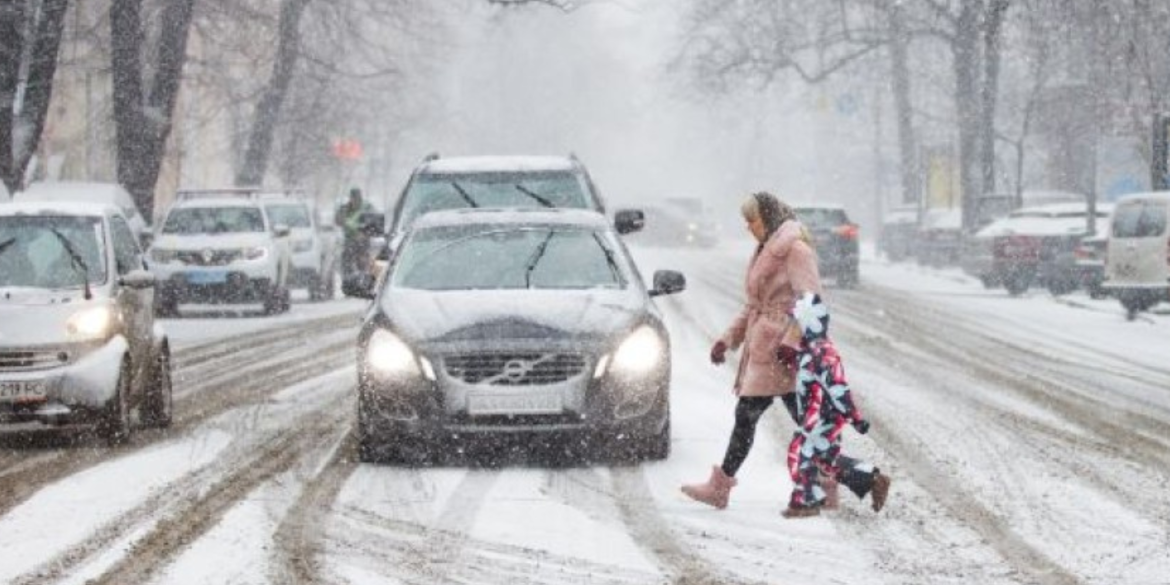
(788, 357)
(718, 352)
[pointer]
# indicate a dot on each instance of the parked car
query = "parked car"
(939, 239)
(312, 246)
(221, 246)
(1137, 267)
(509, 321)
(549, 182)
(105, 193)
(1089, 256)
(79, 347)
(1033, 245)
(702, 226)
(898, 231)
(836, 240)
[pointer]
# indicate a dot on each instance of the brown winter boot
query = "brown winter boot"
(881, 489)
(713, 493)
(832, 494)
(801, 511)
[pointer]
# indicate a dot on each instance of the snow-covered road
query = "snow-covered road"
(1028, 439)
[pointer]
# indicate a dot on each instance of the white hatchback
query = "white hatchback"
(1137, 265)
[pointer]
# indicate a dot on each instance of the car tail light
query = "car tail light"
(848, 231)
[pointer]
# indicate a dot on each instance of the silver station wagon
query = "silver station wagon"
(514, 321)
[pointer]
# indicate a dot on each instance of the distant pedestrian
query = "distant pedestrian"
(782, 268)
(822, 407)
(356, 244)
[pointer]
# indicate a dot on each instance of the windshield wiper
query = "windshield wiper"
(4, 245)
(609, 259)
(539, 198)
(534, 259)
(464, 195)
(77, 262)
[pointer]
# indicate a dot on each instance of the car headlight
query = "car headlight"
(93, 323)
(639, 353)
(389, 355)
(163, 256)
(257, 253)
(299, 246)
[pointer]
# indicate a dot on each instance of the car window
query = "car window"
(1139, 220)
(291, 215)
(127, 256)
(214, 220)
(821, 217)
(435, 192)
(507, 258)
(33, 255)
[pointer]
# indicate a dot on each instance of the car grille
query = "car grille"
(27, 360)
(209, 257)
(514, 369)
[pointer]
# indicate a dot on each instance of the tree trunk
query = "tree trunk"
(143, 123)
(966, 59)
(31, 47)
(900, 82)
(268, 110)
(989, 92)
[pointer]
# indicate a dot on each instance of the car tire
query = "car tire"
(114, 425)
(1017, 284)
(158, 407)
(1061, 286)
(314, 287)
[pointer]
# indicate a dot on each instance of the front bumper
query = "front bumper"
(72, 393)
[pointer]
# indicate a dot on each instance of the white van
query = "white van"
(1137, 265)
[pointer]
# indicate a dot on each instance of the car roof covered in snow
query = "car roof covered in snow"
(512, 217)
(225, 201)
(498, 164)
(73, 191)
(57, 208)
(1163, 196)
(1061, 209)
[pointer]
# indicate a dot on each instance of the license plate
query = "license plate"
(22, 389)
(534, 403)
(207, 277)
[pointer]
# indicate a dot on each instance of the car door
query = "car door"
(136, 304)
(1138, 245)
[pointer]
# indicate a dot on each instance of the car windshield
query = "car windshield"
(434, 192)
(214, 220)
(33, 255)
(290, 214)
(821, 217)
(1139, 221)
(500, 257)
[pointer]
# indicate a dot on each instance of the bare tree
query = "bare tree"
(142, 118)
(30, 38)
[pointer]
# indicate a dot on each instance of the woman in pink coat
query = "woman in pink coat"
(783, 267)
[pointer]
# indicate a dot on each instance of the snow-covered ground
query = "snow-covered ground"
(1028, 439)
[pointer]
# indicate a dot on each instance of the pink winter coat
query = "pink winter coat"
(777, 275)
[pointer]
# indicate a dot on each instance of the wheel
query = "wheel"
(657, 447)
(1135, 303)
(329, 285)
(988, 282)
(1018, 283)
(314, 287)
(158, 406)
(114, 425)
(1061, 286)
(277, 301)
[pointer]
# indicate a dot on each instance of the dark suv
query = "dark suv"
(835, 237)
(491, 182)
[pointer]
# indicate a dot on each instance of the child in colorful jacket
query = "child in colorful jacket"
(822, 406)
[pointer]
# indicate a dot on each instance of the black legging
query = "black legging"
(747, 414)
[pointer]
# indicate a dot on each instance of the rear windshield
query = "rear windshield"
(214, 220)
(822, 218)
(435, 192)
(1139, 220)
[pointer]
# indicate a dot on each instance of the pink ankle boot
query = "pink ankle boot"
(715, 491)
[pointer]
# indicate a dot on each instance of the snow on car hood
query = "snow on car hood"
(504, 314)
(32, 317)
(215, 242)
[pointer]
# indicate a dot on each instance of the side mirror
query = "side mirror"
(280, 230)
(372, 223)
(145, 238)
(138, 279)
(628, 221)
(359, 286)
(668, 282)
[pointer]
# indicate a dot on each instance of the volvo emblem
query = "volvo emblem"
(515, 370)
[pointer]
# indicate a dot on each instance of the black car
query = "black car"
(836, 240)
(513, 321)
(485, 182)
